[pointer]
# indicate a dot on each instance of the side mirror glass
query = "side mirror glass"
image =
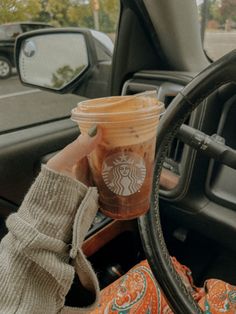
(52, 60)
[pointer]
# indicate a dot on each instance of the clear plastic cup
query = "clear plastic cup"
(122, 165)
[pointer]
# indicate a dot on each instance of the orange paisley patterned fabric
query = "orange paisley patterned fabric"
(137, 293)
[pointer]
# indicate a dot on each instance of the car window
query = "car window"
(10, 31)
(22, 106)
(33, 27)
(2, 33)
(217, 20)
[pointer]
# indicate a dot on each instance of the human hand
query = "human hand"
(72, 160)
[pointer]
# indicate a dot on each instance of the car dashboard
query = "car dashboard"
(203, 194)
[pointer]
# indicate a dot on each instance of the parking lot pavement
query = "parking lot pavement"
(20, 105)
(11, 85)
(218, 43)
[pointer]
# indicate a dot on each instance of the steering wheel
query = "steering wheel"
(217, 74)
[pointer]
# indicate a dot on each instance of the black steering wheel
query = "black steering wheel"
(217, 74)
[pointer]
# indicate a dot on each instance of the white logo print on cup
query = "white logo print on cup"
(124, 173)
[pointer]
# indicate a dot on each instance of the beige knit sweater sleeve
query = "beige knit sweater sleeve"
(44, 235)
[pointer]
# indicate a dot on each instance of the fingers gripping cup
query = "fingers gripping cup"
(122, 165)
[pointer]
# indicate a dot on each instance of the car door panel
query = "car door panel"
(21, 153)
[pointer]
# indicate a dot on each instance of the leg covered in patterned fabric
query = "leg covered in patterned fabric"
(138, 293)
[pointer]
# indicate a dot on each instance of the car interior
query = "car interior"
(157, 47)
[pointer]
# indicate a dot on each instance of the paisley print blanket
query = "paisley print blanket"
(138, 293)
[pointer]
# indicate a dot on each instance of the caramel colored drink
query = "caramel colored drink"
(122, 165)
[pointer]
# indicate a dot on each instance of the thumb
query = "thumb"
(74, 152)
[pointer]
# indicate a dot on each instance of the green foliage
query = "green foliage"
(16, 10)
(81, 15)
(65, 75)
(61, 12)
(222, 10)
(109, 14)
(214, 12)
(228, 9)
(58, 11)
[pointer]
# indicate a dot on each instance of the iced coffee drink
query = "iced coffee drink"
(122, 164)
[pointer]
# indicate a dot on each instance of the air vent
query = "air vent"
(166, 92)
(131, 88)
(176, 148)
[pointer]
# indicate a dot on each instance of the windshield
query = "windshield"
(217, 20)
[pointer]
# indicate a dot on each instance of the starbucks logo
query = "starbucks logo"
(124, 173)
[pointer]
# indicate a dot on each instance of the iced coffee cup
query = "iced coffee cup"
(122, 165)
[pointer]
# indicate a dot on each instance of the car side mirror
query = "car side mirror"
(55, 59)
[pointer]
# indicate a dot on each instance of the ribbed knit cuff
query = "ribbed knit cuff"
(51, 204)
